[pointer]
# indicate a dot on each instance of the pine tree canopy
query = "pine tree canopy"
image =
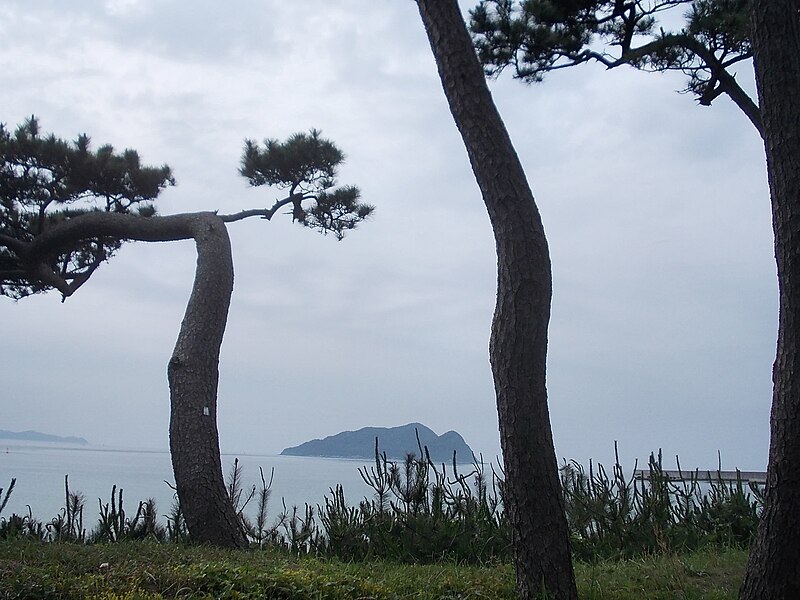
(307, 165)
(65, 209)
(45, 180)
(534, 37)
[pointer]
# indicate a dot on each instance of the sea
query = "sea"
(40, 470)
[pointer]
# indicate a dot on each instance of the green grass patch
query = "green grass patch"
(149, 571)
(139, 570)
(712, 574)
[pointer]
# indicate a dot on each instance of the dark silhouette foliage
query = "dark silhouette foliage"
(307, 165)
(66, 209)
(45, 180)
(534, 37)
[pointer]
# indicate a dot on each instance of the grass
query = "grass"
(145, 570)
(713, 574)
(426, 533)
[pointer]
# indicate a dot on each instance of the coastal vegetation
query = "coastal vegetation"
(66, 209)
(714, 42)
(427, 531)
(532, 514)
(151, 571)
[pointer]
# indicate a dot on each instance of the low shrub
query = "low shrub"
(420, 512)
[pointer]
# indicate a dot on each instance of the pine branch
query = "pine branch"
(264, 213)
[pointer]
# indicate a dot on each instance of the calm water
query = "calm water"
(40, 470)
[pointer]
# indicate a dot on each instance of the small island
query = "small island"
(36, 436)
(396, 442)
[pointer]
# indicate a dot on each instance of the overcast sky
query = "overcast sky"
(657, 212)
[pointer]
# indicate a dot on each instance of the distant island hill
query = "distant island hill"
(396, 442)
(36, 436)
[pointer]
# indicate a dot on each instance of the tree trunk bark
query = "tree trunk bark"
(193, 371)
(772, 570)
(518, 346)
(193, 374)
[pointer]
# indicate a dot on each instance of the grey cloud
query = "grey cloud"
(657, 214)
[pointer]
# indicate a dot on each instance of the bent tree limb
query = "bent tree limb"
(95, 197)
(193, 370)
(721, 81)
(518, 347)
(537, 37)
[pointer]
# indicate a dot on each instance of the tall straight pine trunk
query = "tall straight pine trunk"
(773, 571)
(518, 346)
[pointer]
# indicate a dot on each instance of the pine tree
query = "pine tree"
(772, 572)
(518, 345)
(66, 209)
(535, 37)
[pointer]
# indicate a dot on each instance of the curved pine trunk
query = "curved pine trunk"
(772, 570)
(193, 369)
(193, 374)
(518, 347)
